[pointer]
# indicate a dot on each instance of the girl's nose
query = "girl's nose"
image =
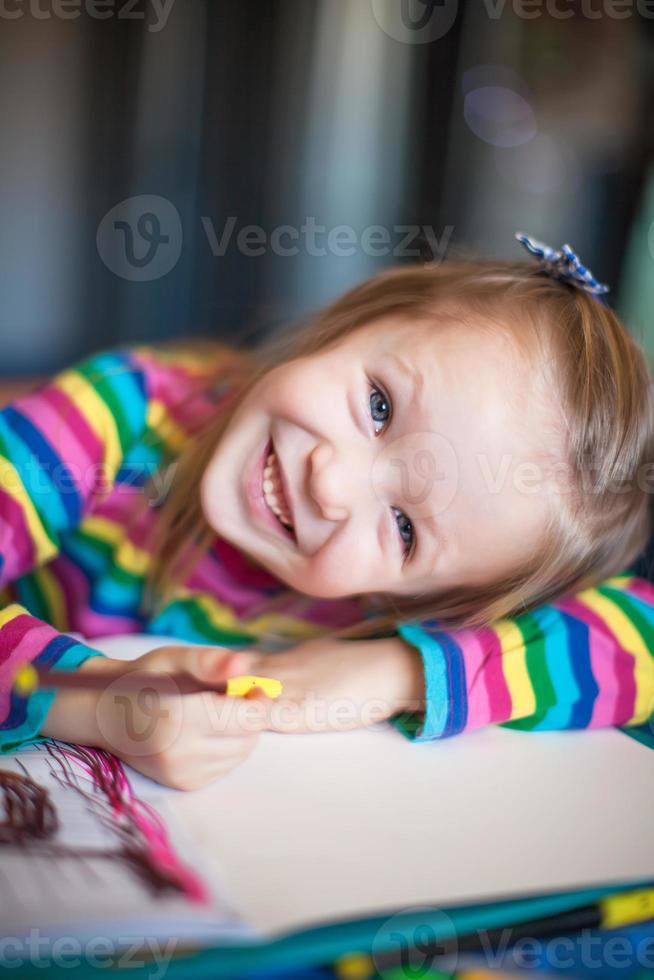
(326, 484)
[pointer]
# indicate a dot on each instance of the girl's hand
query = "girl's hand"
(184, 741)
(332, 684)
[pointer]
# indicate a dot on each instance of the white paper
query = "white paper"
(316, 828)
(91, 896)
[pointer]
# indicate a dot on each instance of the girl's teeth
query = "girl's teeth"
(272, 490)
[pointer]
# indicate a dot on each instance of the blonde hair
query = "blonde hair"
(605, 394)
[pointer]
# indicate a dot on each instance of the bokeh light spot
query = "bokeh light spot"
(499, 116)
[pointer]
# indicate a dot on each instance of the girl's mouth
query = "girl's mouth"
(265, 494)
(273, 490)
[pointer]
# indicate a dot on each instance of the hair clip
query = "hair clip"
(564, 265)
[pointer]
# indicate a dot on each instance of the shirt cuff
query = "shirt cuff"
(433, 722)
(27, 714)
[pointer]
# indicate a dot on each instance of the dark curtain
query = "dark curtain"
(237, 113)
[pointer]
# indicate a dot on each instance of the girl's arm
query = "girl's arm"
(61, 447)
(584, 661)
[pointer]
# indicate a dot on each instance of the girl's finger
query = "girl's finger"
(216, 663)
(234, 716)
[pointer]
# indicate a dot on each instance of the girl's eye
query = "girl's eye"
(406, 527)
(380, 412)
(379, 407)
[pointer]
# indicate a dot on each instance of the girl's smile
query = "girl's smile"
(258, 495)
(368, 465)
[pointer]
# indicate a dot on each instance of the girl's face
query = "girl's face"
(408, 459)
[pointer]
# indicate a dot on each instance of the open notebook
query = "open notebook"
(319, 828)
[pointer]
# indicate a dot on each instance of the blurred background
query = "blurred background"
(182, 167)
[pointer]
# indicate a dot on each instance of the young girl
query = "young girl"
(390, 495)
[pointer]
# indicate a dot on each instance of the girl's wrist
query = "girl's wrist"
(412, 673)
(404, 663)
(73, 715)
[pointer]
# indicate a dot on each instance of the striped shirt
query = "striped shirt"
(74, 456)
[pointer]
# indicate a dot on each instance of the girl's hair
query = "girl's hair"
(603, 388)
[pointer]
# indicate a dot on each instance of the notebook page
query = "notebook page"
(315, 828)
(88, 896)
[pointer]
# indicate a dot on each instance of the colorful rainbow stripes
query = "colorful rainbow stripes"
(584, 661)
(74, 456)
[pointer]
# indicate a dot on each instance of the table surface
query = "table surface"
(313, 828)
